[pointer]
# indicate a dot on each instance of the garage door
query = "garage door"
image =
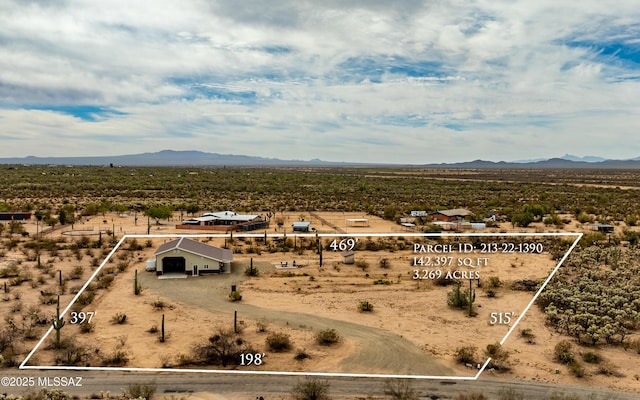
(173, 265)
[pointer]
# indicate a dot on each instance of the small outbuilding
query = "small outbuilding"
(357, 222)
(301, 226)
(348, 257)
(604, 228)
(191, 257)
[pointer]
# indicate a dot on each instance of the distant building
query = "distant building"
(301, 226)
(604, 228)
(226, 220)
(456, 214)
(357, 222)
(191, 257)
(14, 216)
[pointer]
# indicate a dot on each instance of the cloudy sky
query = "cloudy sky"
(387, 81)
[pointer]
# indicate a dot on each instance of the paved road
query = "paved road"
(270, 387)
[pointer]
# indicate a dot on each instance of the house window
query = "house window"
(206, 266)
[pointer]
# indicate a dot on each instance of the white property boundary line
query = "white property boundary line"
(318, 374)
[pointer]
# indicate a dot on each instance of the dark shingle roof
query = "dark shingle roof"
(199, 248)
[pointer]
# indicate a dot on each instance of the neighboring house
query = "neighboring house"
(456, 214)
(226, 220)
(301, 226)
(191, 257)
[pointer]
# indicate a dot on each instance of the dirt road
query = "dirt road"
(379, 351)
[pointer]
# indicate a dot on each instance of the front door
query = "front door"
(195, 270)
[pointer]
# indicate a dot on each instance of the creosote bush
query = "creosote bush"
(470, 396)
(140, 391)
(311, 389)
(365, 306)
(399, 389)
(466, 354)
(235, 296)
(119, 318)
(278, 342)
(327, 337)
(563, 352)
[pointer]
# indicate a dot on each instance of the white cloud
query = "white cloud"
(339, 80)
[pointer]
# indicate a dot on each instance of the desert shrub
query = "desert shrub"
(457, 298)
(86, 327)
(634, 344)
(104, 281)
(466, 354)
(42, 394)
(609, 369)
(494, 282)
(235, 296)
(77, 272)
(399, 389)
(470, 396)
(565, 396)
(576, 369)
(251, 271)
(363, 265)
(510, 394)
(311, 389)
(122, 266)
(384, 263)
(86, 297)
(117, 358)
(592, 357)
(492, 285)
(153, 329)
(301, 354)
(584, 218)
(160, 304)
(528, 335)
(119, 318)
(70, 353)
(140, 391)
(365, 306)
(563, 352)
(382, 282)
(223, 347)
(498, 355)
(526, 285)
(261, 325)
(278, 342)
(327, 337)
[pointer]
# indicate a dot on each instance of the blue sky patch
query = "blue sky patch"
(84, 112)
(626, 54)
(374, 68)
(414, 121)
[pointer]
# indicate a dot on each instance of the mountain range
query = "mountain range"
(199, 158)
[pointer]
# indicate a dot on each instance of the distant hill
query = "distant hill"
(199, 158)
(550, 163)
(169, 158)
(590, 159)
(569, 157)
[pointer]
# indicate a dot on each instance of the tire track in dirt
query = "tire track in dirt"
(379, 351)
